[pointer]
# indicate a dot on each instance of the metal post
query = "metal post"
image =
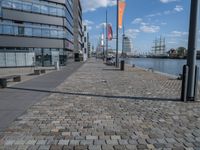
(184, 83)
(196, 82)
(192, 43)
(103, 43)
(106, 34)
(123, 36)
(117, 32)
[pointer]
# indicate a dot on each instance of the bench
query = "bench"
(39, 71)
(3, 80)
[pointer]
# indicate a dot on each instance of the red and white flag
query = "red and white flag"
(110, 32)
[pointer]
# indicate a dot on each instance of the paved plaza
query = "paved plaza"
(101, 108)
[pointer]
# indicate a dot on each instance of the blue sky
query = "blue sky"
(144, 21)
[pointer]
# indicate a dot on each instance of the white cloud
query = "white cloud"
(88, 23)
(132, 33)
(168, 1)
(150, 29)
(154, 15)
(103, 24)
(137, 21)
(177, 34)
(92, 5)
(163, 23)
(178, 8)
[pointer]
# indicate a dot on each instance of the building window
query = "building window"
(20, 30)
(52, 11)
(36, 32)
(59, 12)
(17, 5)
(27, 6)
(36, 8)
(44, 9)
(54, 33)
(7, 29)
(45, 32)
(28, 31)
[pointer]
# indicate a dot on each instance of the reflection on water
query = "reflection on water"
(170, 66)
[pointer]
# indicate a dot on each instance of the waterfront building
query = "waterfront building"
(35, 32)
(78, 32)
(127, 45)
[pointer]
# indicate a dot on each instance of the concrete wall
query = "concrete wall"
(16, 71)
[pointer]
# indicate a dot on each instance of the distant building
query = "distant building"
(127, 44)
(35, 32)
(78, 32)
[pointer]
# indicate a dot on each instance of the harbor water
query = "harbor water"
(169, 66)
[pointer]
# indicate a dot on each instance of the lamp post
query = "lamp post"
(106, 34)
(117, 32)
(192, 51)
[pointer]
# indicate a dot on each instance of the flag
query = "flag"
(102, 40)
(122, 5)
(110, 32)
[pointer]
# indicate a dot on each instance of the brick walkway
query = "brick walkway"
(100, 108)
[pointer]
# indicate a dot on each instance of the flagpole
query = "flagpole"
(123, 36)
(117, 32)
(106, 34)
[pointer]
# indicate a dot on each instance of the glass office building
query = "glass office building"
(35, 32)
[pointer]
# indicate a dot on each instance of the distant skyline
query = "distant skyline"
(144, 21)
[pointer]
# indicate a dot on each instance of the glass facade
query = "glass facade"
(15, 57)
(41, 7)
(35, 30)
(20, 57)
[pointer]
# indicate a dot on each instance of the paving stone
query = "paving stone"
(123, 142)
(89, 137)
(74, 142)
(33, 147)
(115, 137)
(120, 147)
(141, 146)
(94, 147)
(112, 142)
(86, 142)
(107, 147)
(9, 142)
(22, 147)
(63, 142)
(81, 147)
(44, 147)
(20, 142)
(69, 147)
(131, 147)
(56, 147)
(31, 142)
(41, 142)
(99, 142)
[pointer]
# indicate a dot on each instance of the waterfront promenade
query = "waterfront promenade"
(101, 108)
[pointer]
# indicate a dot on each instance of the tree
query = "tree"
(181, 51)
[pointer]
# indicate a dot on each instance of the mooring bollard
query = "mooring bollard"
(184, 83)
(122, 63)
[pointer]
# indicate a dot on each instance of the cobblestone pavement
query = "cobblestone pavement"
(100, 108)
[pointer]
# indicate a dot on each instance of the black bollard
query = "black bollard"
(184, 83)
(122, 63)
